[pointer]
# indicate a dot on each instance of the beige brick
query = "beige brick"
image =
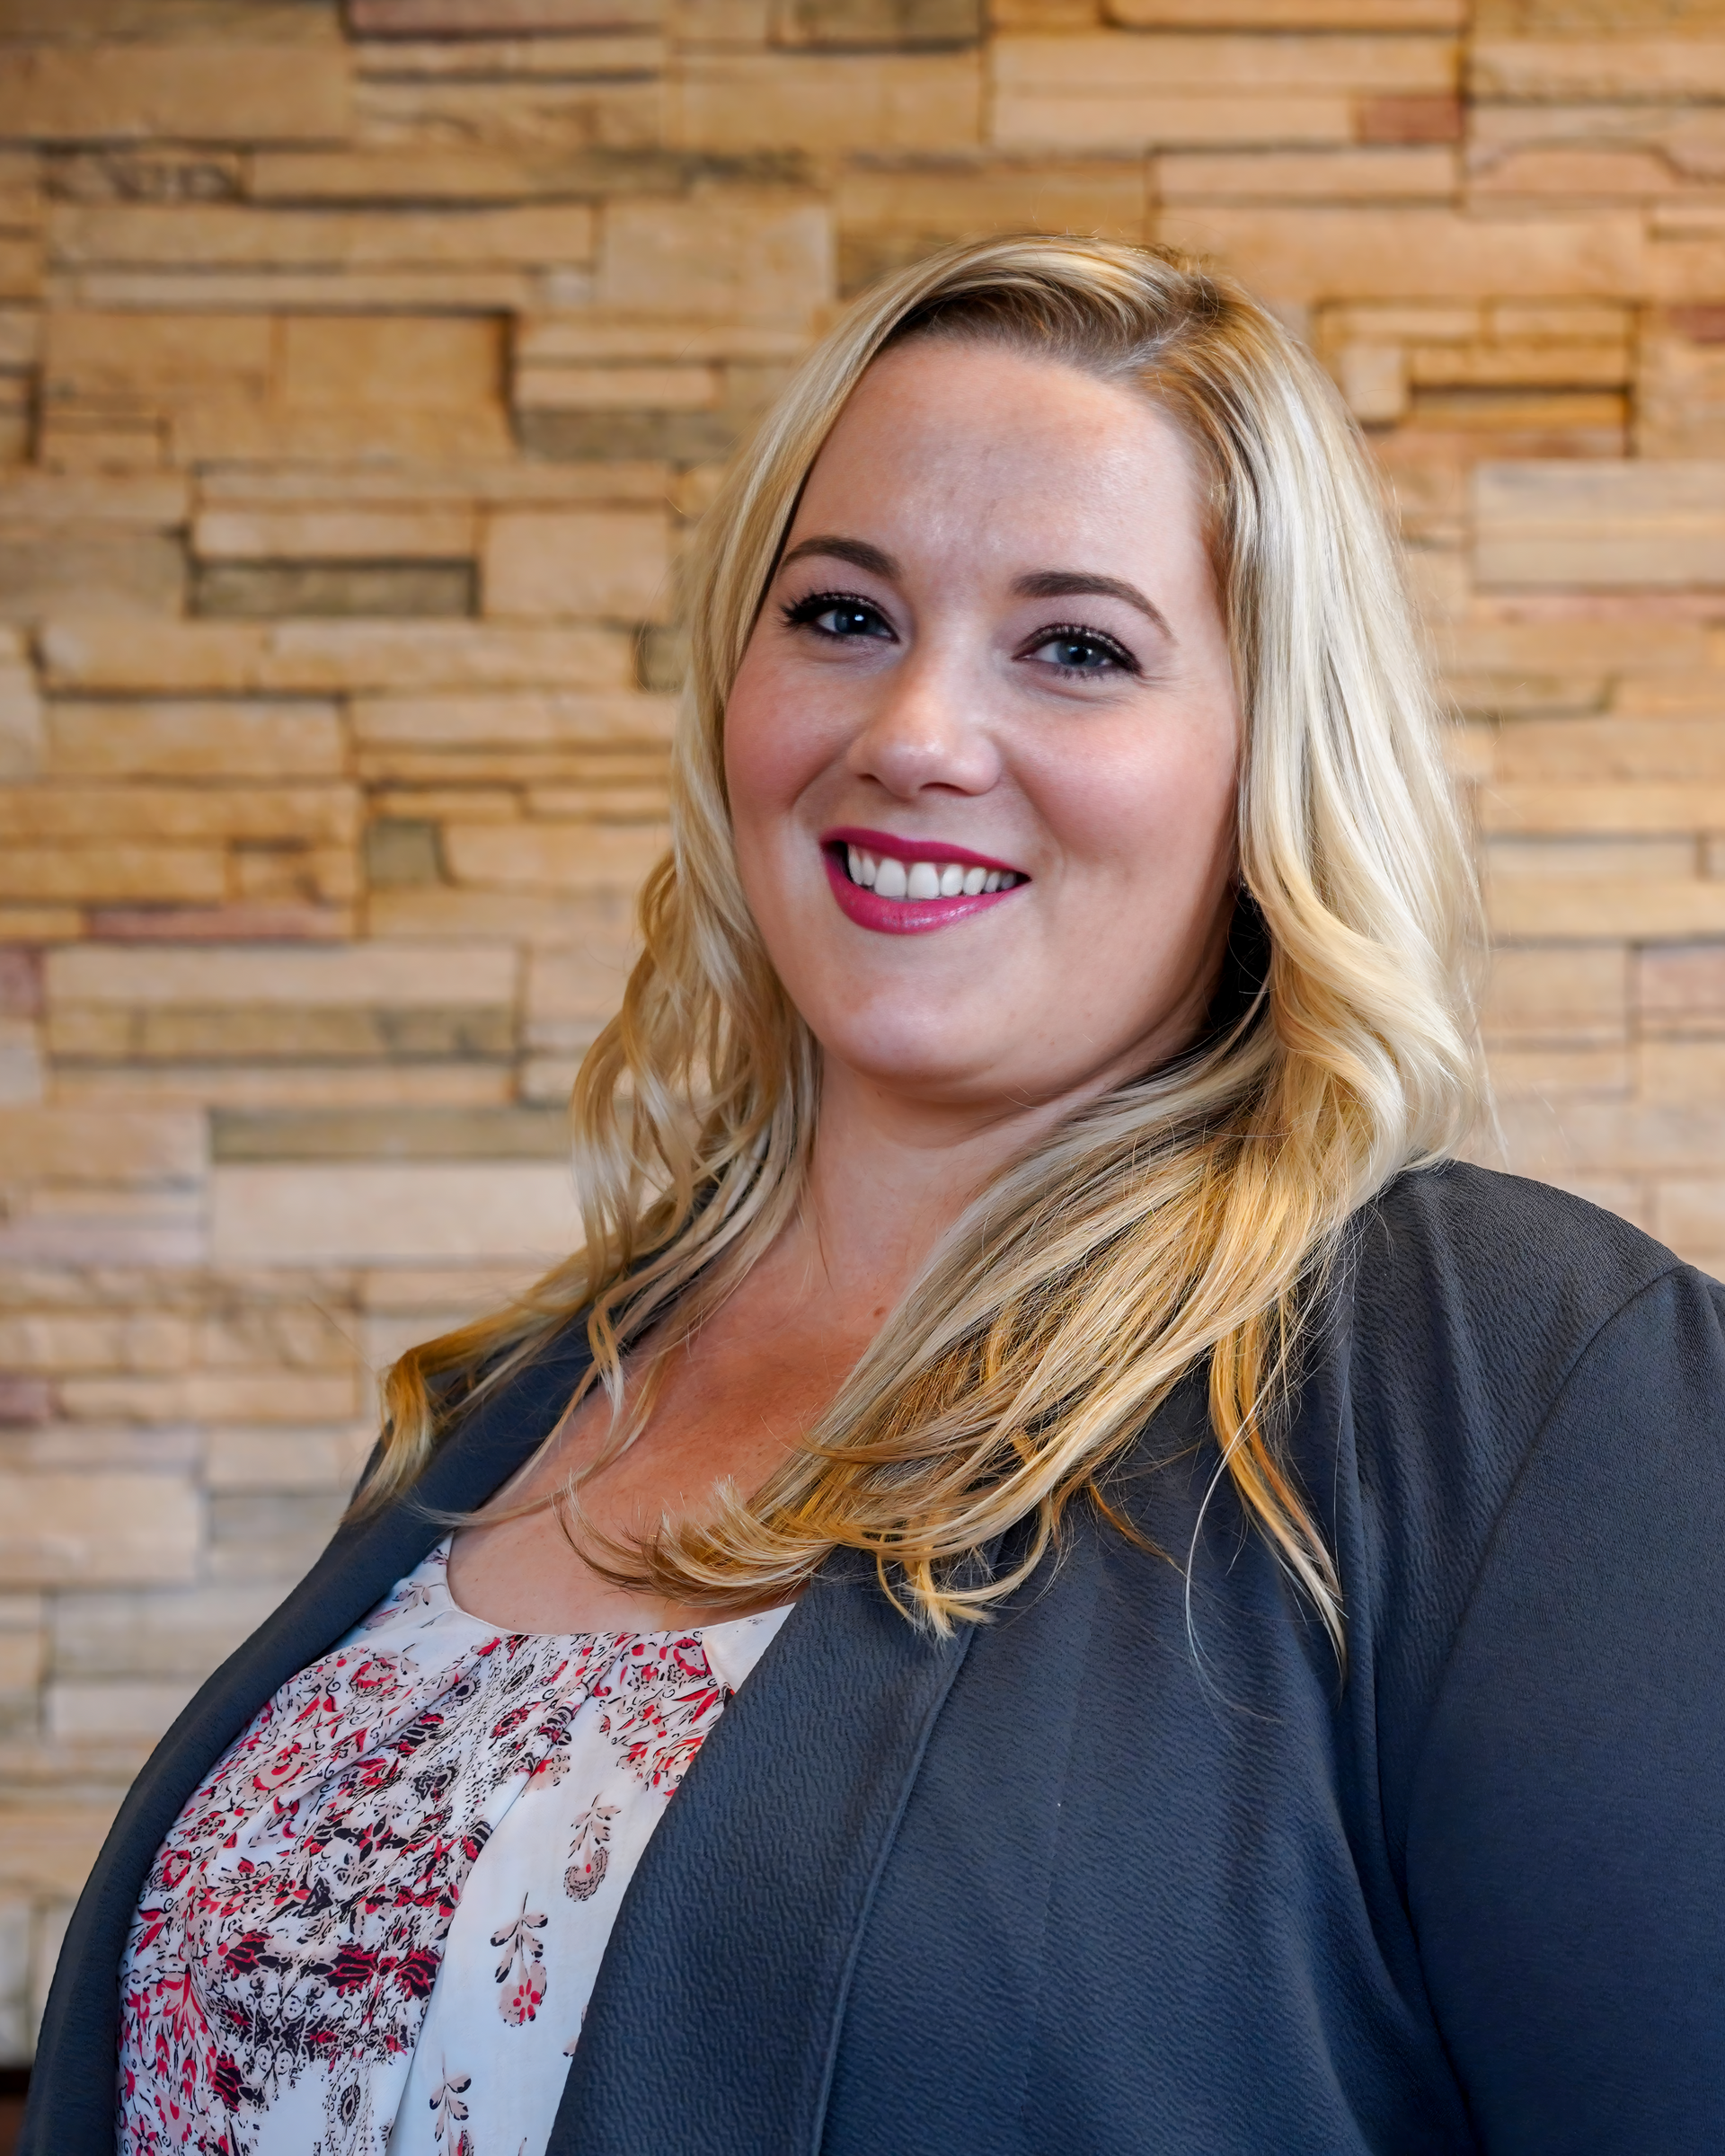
(1573, 993)
(1574, 645)
(84, 1530)
(1115, 122)
(1288, 15)
(52, 1341)
(204, 739)
(167, 814)
(22, 739)
(359, 1213)
(1551, 1070)
(333, 535)
(556, 857)
(320, 656)
(1636, 524)
(798, 101)
(425, 362)
(756, 258)
(1570, 69)
(459, 484)
(154, 501)
(112, 874)
(126, 89)
(1316, 252)
(487, 723)
(1681, 1072)
(1239, 63)
(566, 388)
(1603, 858)
(1540, 365)
(261, 1396)
(614, 564)
(215, 235)
(1559, 807)
(1680, 398)
(1637, 909)
(286, 1459)
(358, 975)
(1392, 174)
(133, 1707)
(465, 18)
(285, 1084)
(87, 1146)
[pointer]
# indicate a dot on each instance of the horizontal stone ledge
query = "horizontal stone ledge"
(101, 654)
(372, 1213)
(1606, 808)
(1254, 63)
(1641, 524)
(455, 485)
(1562, 908)
(362, 974)
(65, 1530)
(131, 90)
(127, 1146)
(385, 1134)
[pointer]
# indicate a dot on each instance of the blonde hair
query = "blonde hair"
(1185, 1215)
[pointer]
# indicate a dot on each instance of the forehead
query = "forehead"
(958, 444)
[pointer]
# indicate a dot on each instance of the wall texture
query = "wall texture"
(358, 377)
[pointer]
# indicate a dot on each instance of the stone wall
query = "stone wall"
(359, 376)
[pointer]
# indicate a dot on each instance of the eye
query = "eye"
(839, 615)
(1072, 653)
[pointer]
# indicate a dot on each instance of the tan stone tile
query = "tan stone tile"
(1343, 175)
(223, 90)
(1681, 1072)
(285, 1085)
(563, 387)
(1638, 910)
(545, 719)
(67, 1530)
(361, 975)
(216, 235)
(1316, 252)
(1118, 122)
(552, 857)
(202, 739)
(1595, 858)
(88, 814)
(1649, 807)
(1603, 67)
(334, 535)
(754, 257)
(1639, 524)
(98, 874)
(721, 101)
(363, 1212)
(1576, 994)
(464, 18)
(1400, 15)
(613, 564)
(126, 1147)
(1554, 1071)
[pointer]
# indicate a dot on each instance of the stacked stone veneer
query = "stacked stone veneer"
(358, 379)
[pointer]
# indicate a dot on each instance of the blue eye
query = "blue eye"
(1076, 651)
(836, 616)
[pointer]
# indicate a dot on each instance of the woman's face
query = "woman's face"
(993, 656)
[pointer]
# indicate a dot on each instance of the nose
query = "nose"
(927, 729)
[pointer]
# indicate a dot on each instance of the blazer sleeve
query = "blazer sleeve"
(1566, 1851)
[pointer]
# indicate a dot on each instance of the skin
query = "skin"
(1088, 740)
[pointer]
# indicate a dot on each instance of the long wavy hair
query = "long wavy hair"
(1181, 1221)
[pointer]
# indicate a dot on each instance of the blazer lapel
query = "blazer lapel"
(72, 2092)
(714, 2023)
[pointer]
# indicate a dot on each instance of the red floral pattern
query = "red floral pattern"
(293, 1926)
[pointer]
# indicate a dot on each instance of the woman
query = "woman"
(1183, 1619)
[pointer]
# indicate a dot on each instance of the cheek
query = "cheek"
(772, 754)
(1148, 817)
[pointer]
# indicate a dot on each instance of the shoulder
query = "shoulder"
(1459, 1280)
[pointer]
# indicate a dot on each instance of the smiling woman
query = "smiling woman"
(1235, 1592)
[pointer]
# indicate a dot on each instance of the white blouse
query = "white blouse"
(376, 1924)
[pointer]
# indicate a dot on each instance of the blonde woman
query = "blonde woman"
(1055, 1574)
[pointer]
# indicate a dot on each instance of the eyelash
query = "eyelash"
(803, 613)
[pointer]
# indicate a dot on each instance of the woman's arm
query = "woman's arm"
(1566, 1849)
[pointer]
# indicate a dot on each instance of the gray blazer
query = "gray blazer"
(1131, 1869)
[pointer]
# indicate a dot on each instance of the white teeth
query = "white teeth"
(892, 877)
(924, 880)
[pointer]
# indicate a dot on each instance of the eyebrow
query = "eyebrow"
(1076, 584)
(858, 553)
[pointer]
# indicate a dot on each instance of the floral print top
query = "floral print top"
(376, 1924)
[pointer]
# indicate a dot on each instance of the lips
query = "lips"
(909, 887)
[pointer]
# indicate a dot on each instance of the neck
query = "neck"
(889, 1176)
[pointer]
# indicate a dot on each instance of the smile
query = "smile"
(907, 887)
